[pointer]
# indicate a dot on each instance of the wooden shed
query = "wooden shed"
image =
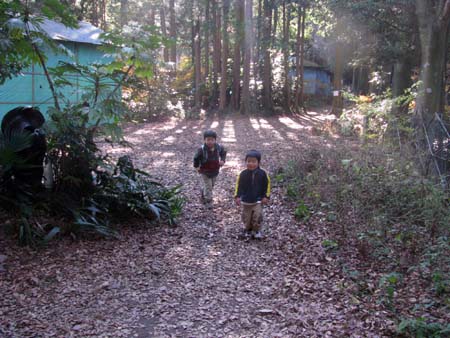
(31, 87)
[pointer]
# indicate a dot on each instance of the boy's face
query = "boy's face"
(210, 141)
(252, 163)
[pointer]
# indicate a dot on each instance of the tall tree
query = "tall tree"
(238, 42)
(300, 57)
(434, 19)
(248, 43)
(286, 62)
(267, 100)
(162, 14)
(338, 101)
(217, 47)
(224, 77)
(173, 32)
(206, 41)
(197, 64)
(123, 12)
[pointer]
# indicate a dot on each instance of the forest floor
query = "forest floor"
(197, 279)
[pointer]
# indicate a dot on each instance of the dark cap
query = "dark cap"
(209, 133)
(253, 153)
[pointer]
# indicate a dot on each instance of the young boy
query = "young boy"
(207, 160)
(252, 191)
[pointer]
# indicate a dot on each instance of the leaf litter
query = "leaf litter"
(197, 279)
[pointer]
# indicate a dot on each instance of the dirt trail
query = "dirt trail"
(198, 279)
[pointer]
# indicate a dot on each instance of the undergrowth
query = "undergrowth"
(377, 205)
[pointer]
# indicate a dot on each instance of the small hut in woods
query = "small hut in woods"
(317, 78)
(31, 87)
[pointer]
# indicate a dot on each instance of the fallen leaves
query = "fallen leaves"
(196, 279)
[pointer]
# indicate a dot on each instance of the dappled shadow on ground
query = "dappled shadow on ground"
(197, 279)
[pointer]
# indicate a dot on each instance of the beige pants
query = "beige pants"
(208, 185)
(252, 216)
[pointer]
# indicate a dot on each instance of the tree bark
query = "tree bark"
(275, 23)
(434, 18)
(338, 102)
(152, 19)
(123, 12)
(236, 88)
(216, 53)
(206, 43)
(267, 100)
(224, 77)
(248, 43)
(257, 60)
(162, 13)
(173, 32)
(301, 100)
(298, 75)
(197, 65)
(287, 82)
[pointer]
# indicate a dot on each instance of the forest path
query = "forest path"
(197, 279)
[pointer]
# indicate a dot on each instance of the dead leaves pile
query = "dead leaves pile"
(198, 279)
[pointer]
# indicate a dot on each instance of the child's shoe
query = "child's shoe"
(257, 235)
(245, 235)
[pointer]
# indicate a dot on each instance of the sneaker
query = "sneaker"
(245, 235)
(257, 235)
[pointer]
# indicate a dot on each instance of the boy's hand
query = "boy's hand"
(265, 201)
(221, 163)
(237, 200)
(197, 169)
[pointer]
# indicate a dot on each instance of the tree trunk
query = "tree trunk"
(338, 102)
(301, 101)
(206, 43)
(287, 82)
(236, 88)
(248, 43)
(298, 75)
(434, 18)
(275, 23)
(216, 54)
(123, 12)
(173, 32)
(152, 19)
(401, 80)
(197, 64)
(224, 77)
(257, 60)
(162, 13)
(267, 100)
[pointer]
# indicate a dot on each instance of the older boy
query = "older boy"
(252, 191)
(207, 160)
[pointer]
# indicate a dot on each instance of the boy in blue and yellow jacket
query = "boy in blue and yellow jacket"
(252, 191)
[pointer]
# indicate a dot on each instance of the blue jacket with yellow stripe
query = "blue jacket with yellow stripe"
(252, 185)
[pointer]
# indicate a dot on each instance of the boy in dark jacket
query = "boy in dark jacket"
(252, 191)
(207, 160)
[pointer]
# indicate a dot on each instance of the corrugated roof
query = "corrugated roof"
(86, 32)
